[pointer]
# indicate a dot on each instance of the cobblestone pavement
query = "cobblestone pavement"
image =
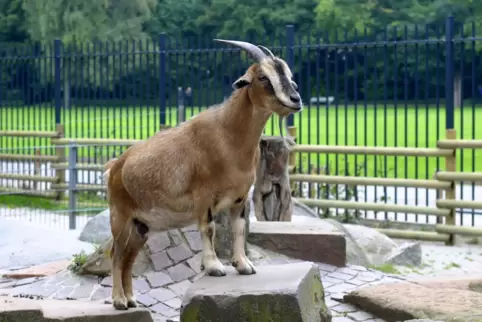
(162, 295)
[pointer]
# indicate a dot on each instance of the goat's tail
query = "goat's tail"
(108, 165)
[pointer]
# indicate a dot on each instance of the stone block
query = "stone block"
(281, 293)
(300, 241)
(405, 301)
(21, 309)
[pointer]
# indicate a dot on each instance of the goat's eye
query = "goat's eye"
(295, 86)
(262, 78)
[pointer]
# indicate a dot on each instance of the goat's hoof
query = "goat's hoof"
(244, 266)
(131, 302)
(213, 267)
(216, 272)
(120, 303)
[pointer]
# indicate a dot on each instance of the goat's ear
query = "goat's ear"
(242, 81)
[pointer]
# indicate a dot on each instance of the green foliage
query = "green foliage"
(77, 261)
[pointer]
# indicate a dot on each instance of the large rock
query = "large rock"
(317, 242)
(281, 293)
(97, 229)
(20, 309)
(409, 253)
(405, 301)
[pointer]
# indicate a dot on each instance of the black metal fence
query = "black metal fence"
(401, 86)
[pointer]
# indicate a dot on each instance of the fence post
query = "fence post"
(162, 80)
(290, 58)
(450, 133)
(72, 185)
(59, 127)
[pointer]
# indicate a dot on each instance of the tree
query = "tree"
(82, 25)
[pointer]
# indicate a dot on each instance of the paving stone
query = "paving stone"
(340, 288)
(341, 319)
(331, 303)
(158, 242)
(179, 253)
(102, 293)
(367, 278)
(360, 316)
(195, 262)
(341, 276)
(25, 281)
(82, 291)
(7, 284)
(46, 269)
(180, 272)
(327, 267)
(160, 261)
(158, 279)
(356, 282)
(180, 288)
(140, 284)
(162, 294)
(348, 270)
(344, 308)
(337, 297)
(194, 240)
(164, 310)
(176, 237)
(332, 280)
(107, 281)
(175, 303)
(146, 300)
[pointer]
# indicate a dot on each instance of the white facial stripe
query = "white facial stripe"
(271, 73)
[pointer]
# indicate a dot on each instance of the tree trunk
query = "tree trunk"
(272, 192)
(223, 243)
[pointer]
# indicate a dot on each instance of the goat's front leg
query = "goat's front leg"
(210, 261)
(238, 223)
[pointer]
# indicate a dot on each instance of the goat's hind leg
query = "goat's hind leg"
(210, 261)
(120, 226)
(238, 223)
(137, 239)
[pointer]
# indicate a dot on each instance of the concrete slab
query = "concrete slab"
(21, 309)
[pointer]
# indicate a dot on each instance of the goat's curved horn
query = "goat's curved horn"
(253, 50)
(266, 51)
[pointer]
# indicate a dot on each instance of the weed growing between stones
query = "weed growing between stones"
(385, 268)
(77, 261)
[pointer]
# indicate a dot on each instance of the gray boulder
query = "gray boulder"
(409, 253)
(281, 293)
(97, 229)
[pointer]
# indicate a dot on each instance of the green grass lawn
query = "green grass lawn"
(373, 125)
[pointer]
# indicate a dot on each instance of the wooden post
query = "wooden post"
(272, 193)
(36, 170)
(292, 156)
(60, 152)
(438, 195)
(451, 165)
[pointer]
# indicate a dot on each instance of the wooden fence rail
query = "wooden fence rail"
(442, 181)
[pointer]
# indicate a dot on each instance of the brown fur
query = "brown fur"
(181, 175)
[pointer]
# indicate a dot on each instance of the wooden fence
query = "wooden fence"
(443, 180)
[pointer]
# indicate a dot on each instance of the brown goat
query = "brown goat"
(189, 173)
